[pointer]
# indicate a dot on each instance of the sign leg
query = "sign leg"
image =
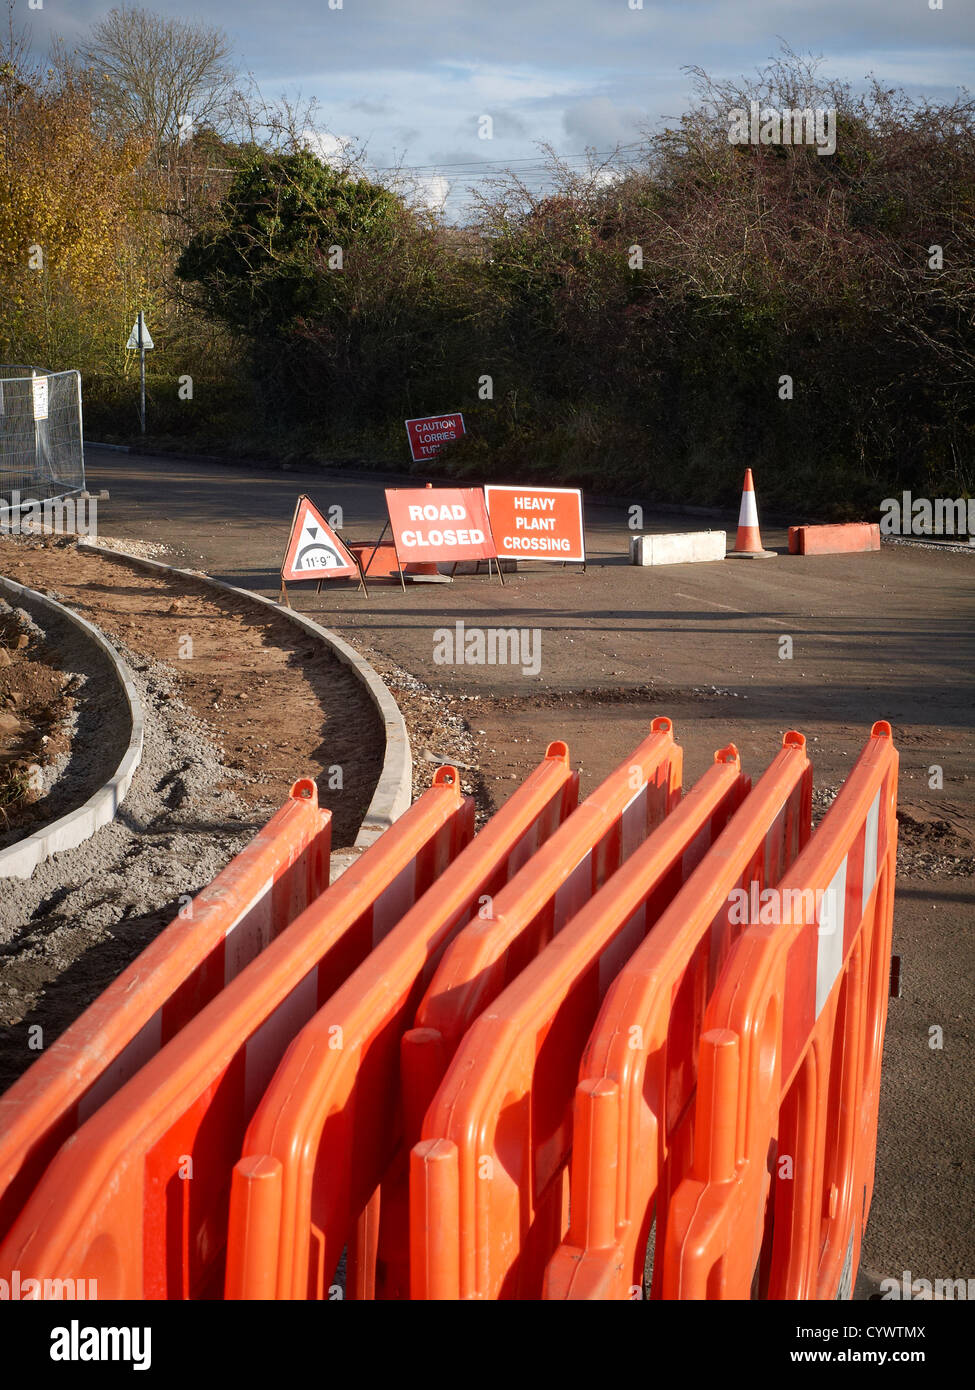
(377, 545)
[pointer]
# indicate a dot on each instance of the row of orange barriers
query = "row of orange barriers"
(600, 1050)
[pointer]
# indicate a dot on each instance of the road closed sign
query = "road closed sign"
(428, 435)
(536, 523)
(440, 524)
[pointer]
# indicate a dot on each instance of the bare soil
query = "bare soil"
(35, 710)
(237, 705)
(276, 704)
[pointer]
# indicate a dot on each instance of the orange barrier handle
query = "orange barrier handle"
(256, 1218)
(589, 846)
(423, 1060)
(435, 1186)
(717, 1084)
(594, 1141)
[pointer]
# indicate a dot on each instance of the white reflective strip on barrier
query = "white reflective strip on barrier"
(633, 822)
(131, 1059)
(394, 902)
(527, 846)
(265, 1048)
(871, 849)
(574, 893)
(829, 939)
(619, 950)
(248, 934)
(695, 851)
(774, 854)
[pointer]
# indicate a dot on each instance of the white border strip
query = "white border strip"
(19, 860)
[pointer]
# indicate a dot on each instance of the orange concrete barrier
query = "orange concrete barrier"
(786, 1123)
(257, 895)
(138, 1198)
(834, 540)
(377, 561)
(330, 1122)
(507, 934)
(502, 1117)
(634, 1100)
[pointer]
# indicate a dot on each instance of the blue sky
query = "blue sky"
(409, 79)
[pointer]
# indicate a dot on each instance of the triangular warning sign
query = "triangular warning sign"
(314, 550)
(134, 336)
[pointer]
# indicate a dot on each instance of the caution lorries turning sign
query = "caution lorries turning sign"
(428, 435)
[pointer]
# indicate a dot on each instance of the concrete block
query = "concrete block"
(839, 540)
(679, 548)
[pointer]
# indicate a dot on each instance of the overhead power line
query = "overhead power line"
(482, 166)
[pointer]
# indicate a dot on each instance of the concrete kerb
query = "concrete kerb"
(394, 790)
(19, 860)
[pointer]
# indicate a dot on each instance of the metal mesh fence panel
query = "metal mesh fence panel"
(41, 450)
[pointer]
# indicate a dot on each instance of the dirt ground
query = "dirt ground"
(277, 705)
(236, 704)
(35, 722)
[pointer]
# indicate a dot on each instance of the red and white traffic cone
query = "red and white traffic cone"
(748, 542)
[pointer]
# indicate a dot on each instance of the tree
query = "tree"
(71, 236)
(264, 264)
(340, 291)
(159, 77)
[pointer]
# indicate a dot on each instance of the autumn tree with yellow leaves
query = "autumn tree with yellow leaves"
(76, 248)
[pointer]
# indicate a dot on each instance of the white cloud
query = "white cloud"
(599, 122)
(337, 151)
(408, 79)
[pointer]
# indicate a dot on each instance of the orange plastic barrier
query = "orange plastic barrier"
(790, 1068)
(138, 1198)
(507, 934)
(633, 1103)
(502, 1119)
(330, 1122)
(265, 887)
(834, 540)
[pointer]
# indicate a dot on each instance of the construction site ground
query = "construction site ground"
(234, 699)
